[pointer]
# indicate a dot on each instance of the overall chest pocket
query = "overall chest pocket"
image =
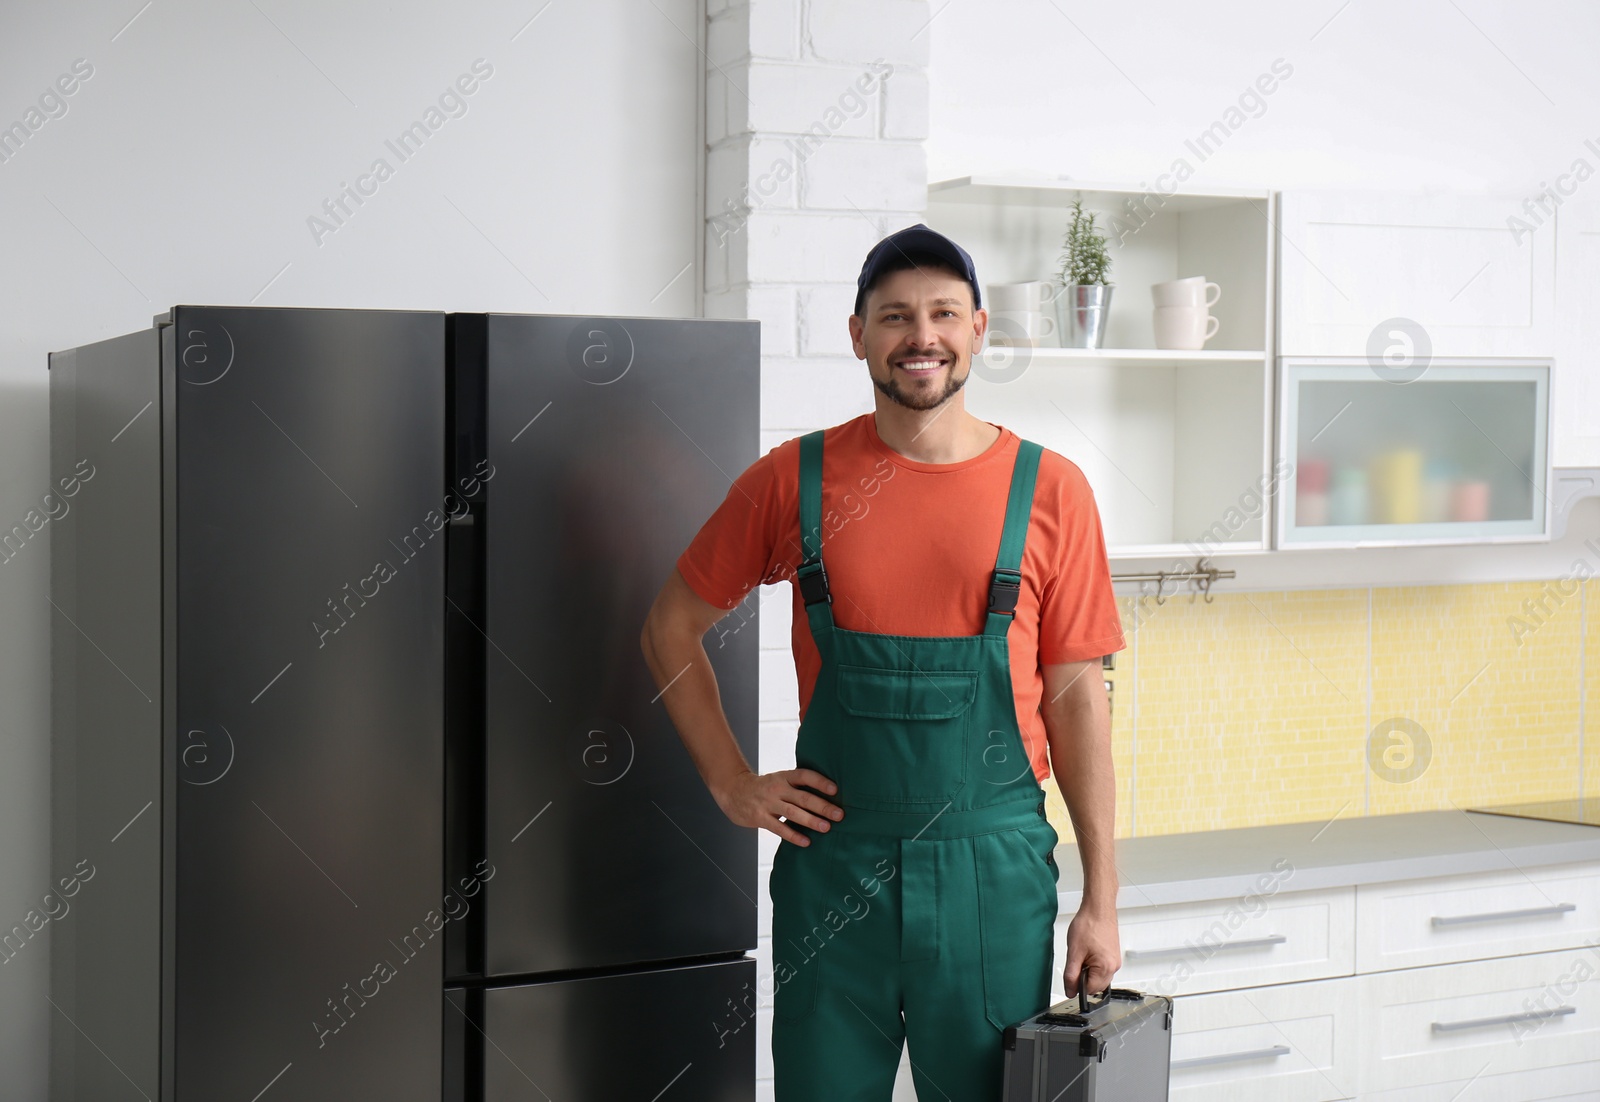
(907, 736)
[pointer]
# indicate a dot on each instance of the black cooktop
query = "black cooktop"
(1585, 812)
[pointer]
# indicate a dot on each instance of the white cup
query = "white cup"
(1017, 298)
(1184, 327)
(1020, 327)
(1190, 291)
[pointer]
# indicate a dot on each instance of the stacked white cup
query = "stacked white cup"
(1183, 312)
(1021, 313)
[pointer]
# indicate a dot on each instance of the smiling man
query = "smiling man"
(952, 602)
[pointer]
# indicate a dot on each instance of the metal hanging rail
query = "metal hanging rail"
(1200, 577)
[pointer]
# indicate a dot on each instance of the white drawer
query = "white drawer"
(1423, 1026)
(1565, 1083)
(1294, 1042)
(1475, 916)
(1185, 948)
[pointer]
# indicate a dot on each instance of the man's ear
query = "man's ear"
(980, 326)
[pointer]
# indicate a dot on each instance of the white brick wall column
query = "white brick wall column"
(816, 111)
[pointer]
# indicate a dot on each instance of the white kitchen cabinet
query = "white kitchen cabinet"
(1455, 918)
(1454, 452)
(1293, 1042)
(1425, 1026)
(1392, 275)
(1561, 1083)
(1510, 973)
(1575, 391)
(1187, 948)
(1175, 444)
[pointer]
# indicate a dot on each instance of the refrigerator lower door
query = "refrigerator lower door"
(674, 1035)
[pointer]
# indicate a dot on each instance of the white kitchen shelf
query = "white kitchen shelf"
(1062, 190)
(1175, 443)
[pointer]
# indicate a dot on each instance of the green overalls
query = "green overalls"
(935, 895)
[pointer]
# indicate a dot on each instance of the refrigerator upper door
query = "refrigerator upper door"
(611, 440)
(307, 741)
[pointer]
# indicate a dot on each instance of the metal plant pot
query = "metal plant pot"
(1082, 310)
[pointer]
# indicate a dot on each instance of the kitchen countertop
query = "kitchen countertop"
(1223, 864)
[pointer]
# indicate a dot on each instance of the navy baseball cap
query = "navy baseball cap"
(914, 242)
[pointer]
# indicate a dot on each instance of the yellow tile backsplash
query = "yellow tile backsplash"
(1590, 728)
(1305, 705)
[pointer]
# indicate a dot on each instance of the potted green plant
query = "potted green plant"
(1085, 296)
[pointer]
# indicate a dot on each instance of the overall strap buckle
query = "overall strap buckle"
(1004, 589)
(813, 582)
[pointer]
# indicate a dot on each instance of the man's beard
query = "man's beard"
(918, 401)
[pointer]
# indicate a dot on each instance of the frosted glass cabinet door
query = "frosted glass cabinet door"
(1454, 453)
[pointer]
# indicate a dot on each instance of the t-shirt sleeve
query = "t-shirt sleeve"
(741, 544)
(1078, 614)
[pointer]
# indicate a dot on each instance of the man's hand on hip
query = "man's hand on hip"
(758, 799)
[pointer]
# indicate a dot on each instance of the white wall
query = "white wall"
(184, 170)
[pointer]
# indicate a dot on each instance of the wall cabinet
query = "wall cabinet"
(1453, 451)
(1405, 285)
(1390, 276)
(1575, 421)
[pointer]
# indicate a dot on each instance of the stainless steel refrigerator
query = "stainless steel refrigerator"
(361, 787)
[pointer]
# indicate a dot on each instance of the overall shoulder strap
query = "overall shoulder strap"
(810, 576)
(811, 496)
(1006, 584)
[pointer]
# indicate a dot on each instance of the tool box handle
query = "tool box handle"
(1083, 994)
(1105, 996)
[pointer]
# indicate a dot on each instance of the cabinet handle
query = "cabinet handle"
(1228, 1057)
(1173, 950)
(1503, 1019)
(1497, 916)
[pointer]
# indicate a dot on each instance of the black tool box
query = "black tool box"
(1112, 1049)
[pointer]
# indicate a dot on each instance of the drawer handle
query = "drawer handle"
(1229, 1057)
(1504, 1019)
(1497, 916)
(1174, 950)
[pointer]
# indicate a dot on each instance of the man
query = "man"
(952, 603)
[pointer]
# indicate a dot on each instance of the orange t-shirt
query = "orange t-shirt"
(910, 548)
